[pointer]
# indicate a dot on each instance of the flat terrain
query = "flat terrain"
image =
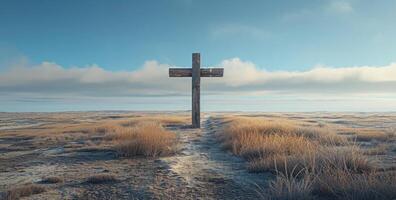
(71, 147)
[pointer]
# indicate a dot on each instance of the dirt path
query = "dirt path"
(203, 164)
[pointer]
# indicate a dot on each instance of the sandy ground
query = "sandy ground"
(201, 169)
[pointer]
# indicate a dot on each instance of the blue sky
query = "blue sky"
(276, 41)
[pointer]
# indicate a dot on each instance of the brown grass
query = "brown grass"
(101, 179)
(343, 184)
(379, 149)
(333, 184)
(163, 119)
(148, 139)
(136, 136)
(24, 191)
(366, 135)
(65, 127)
(289, 187)
(51, 180)
(305, 160)
(268, 144)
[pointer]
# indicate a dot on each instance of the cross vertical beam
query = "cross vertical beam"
(196, 73)
(196, 88)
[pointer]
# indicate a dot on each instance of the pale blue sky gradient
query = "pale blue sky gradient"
(81, 49)
(277, 34)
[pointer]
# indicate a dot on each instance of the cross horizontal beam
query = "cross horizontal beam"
(187, 72)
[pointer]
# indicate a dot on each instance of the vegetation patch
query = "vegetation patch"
(365, 136)
(52, 180)
(24, 191)
(379, 149)
(308, 162)
(149, 139)
(163, 119)
(142, 136)
(101, 179)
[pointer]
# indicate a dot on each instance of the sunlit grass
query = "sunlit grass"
(143, 139)
(305, 160)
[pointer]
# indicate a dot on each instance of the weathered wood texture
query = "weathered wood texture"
(196, 87)
(187, 72)
(196, 73)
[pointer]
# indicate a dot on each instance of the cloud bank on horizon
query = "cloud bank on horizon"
(49, 79)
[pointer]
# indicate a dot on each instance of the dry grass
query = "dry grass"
(333, 184)
(269, 144)
(242, 131)
(379, 149)
(51, 180)
(65, 128)
(148, 139)
(138, 136)
(308, 162)
(133, 136)
(24, 191)
(289, 187)
(163, 119)
(169, 119)
(314, 160)
(372, 135)
(101, 179)
(342, 184)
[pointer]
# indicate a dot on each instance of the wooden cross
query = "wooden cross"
(196, 73)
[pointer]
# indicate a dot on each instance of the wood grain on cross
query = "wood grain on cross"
(196, 73)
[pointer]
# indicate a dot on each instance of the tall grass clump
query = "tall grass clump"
(148, 139)
(289, 187)
(309, 163)
(344, 184)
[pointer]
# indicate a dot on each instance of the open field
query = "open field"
(142, 155)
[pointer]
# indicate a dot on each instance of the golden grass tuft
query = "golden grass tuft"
(148, 139)
(242, 132)
(289, 187)
(314, 159)
(24, 191)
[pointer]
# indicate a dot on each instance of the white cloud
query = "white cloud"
(50, 79)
